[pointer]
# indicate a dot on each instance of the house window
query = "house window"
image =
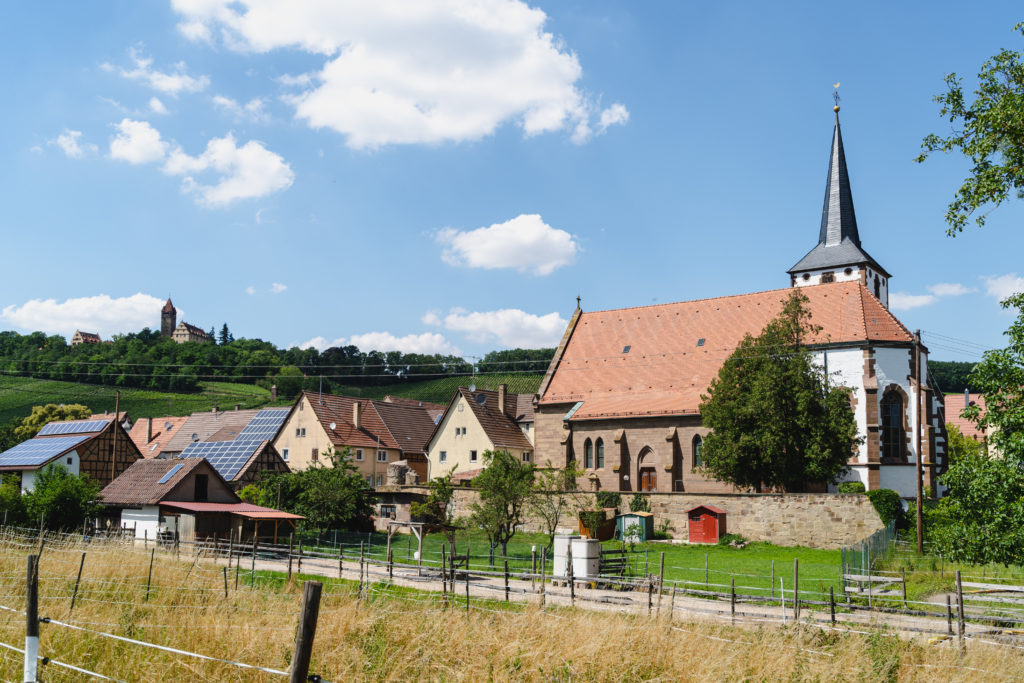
(303, 431)
(316, 455)
(458, 431)
(444, 456)
(599, 454)
(878, 288)
(298, 432)
(892, 427)
(828, 277)
(382, 456)
(284, 454)
(388, 511)
(526, 427)
(588, 455)
(380, 480)
(359, 454)
(472, 456)
(71, 460)
(202, 487)
(698, 450)
(526, 456)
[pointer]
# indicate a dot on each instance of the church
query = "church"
(621, 396)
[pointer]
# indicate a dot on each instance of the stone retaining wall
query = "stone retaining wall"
(816, 520)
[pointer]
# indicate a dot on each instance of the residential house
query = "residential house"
(160, 498)
(97, 447)
(477, 421)
(621, 396)
(239, 455)
(80, 337)
(151, 435)
(956, 404)
(202, 426)
(376, 432)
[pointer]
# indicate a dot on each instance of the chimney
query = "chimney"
(502, 394)
(214, 411)
(238, 406)
(273, 392)
(357, 414)
(149, 429)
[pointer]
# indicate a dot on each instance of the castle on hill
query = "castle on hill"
(180, 332)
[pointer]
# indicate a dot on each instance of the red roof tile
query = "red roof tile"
(162, 430)
(391, 425)
(954, 414)
(138, 485)
(675, 350)
(242, 509)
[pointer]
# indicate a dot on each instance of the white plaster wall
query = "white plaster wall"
(899, 478)
(70, 462)
(145, 520)
(846, 368)
(841, 276)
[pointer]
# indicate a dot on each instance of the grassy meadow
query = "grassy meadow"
(400, 635)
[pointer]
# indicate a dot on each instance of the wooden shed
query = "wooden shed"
(706, 524)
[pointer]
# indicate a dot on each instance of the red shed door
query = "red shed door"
(697, 527)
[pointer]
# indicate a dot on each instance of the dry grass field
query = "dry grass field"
(402, 635)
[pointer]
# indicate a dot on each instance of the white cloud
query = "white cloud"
(525, 243)
(508, 326)
(156, 106)
(427, 343)
(137, 142)
(901, 301)
(250, 111)
(950, 289)
(431, 318)
(615, 115)
(171, 83)
(277, 288)
(412, 71)
(1003, 286)
(70, 142)
(250, 290)
(101, 314)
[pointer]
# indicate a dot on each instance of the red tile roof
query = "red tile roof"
(954, 414)
(242, 509)
(433, 409)
(391, 425)
(138, 485)
(675, 350)
(162, 431)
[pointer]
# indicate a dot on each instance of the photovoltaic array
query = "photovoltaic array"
(35, 452)
(265, 425)
(227, 457)
(74, 427)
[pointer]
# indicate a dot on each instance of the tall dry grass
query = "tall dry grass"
(405, 635)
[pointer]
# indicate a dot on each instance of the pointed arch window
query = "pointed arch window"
(698, 451)
(588, 454)
(599, 453)
(893, 434)
(878, 288)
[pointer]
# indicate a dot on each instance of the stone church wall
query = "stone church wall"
(815, 520)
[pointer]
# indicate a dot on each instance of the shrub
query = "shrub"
(887, 504)
(732, 539)
(608, 499)
(639, 503)
(851, 487)
(591, 520)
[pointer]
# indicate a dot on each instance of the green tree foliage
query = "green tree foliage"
(517, 360)
(950, 376)
(984, 506)
(776, 422)
(225, 336)
(334, 497)
(887, 504)
(289, 381)
(851, 487)
(958, 445)
(639, 503)
(41, 415)
(437, 508)
(505, 486)
(12, 503)
(608, 499)
(989, 131)
(60, 499)
(555, 496)
(8, 437)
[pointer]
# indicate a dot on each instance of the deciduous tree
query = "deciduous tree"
(988, 131)
(776, 420)
(555, 496)
(51, 412)
(504, 486)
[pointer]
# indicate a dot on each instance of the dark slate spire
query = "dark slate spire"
(838, 220)
(838, 239)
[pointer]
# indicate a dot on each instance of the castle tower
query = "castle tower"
(168, 319)
(838, 256)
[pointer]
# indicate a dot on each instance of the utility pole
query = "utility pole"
(113, 448)
(917, 426)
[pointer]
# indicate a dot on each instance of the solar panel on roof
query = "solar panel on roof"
(35, 452)
(227, 457)
(170, 473)
(264, 425)
(74, 427)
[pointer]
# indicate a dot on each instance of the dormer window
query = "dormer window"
(828, 277)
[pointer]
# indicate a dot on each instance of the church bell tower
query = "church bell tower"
(168, 319)
(838, 256)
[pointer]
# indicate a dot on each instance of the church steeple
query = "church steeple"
(838, 256)
(838, 219)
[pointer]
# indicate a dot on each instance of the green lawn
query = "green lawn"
(750, 566)
(19, 394)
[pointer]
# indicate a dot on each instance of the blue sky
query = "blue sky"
(447, 177)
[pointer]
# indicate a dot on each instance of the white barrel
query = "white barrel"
(586, 558)
(560, 567)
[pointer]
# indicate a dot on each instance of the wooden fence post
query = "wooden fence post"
(225, 571)
(299, 672)
(672, 604)
(341, 559)
(572, 579)
(78, 580)
(796, 589)
(31, 619)
(360, 594)
(149, 578)
(832, 603)
(231, 547)
(732, 598)
(467, 582)
(391, 566)
(903, 575)
(543, 571)
(252, 576)
(444, 572)
(661, 580)
(533, 568)
(291, 547)
(506, 580)
(949, 615)
(959, 609)
(298, 565)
